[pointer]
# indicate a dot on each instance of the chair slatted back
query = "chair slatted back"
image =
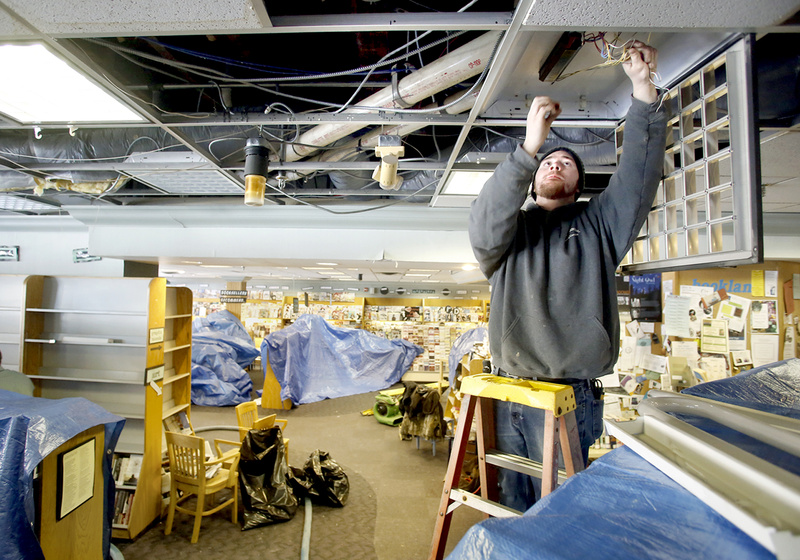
(246, 417)
(187, 459)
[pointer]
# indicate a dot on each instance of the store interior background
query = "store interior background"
(333, 232)
(421, 241)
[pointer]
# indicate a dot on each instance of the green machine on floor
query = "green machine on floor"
(387, 410)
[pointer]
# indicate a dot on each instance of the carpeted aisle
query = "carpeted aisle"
(336, 533)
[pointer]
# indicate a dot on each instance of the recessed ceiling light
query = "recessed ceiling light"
(420, 275)
(421, 270)
(75, 99)
(430, 281)
(316, 268)
(215, 266)
(191, 262)
(22, 204)
(328, 264)
(172, 272)
(469, 267)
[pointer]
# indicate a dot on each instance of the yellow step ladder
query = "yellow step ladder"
(560, 431)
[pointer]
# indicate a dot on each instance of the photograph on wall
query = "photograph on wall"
(646, 297)
(764, 316)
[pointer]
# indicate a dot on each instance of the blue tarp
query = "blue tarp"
(221, 348)
(30, 429)
(313, 360)
(463, 346)
(624, 507)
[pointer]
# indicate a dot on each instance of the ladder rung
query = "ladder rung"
(519, 464)
(462, 497)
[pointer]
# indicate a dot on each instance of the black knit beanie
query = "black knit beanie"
(578, 162)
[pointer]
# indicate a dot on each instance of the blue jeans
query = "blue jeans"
(519, 430)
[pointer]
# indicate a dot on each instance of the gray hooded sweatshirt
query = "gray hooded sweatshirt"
(554, 306)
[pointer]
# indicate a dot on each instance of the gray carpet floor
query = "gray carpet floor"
(390, 512)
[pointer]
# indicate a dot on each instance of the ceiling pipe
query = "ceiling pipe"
(450, 70)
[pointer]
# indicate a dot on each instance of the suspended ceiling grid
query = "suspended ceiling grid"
(683, 31)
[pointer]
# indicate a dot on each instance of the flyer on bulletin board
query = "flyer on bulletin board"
(714, 336)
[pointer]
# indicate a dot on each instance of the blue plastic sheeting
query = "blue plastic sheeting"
(313, 360)
(221, 348)
(773, 388)
(620, 507)
(30, 429)
(623, 507)
(463, 346)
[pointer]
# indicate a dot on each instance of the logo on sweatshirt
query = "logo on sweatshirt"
(573, 232)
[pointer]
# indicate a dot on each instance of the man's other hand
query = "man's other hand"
(542, 113)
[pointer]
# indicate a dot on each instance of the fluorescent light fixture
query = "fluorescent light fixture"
(316, 268)
(469, 267)
(467, 183)
(328, 264)
(419, 275)
(215, 266)
(38, 86)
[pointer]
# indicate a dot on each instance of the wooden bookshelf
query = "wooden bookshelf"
(96, 338)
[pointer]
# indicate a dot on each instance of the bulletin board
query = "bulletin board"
(756, 302)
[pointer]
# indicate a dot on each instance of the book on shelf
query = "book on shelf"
(178, 422)
(130, 476)
(123, 501)
(125, 469)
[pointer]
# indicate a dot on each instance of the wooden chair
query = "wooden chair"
(187, 467)
(227, 456)
(247, 419)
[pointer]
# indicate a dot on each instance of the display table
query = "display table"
(623, 507)
(30, 430)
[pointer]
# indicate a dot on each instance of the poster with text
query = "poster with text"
(646, 297)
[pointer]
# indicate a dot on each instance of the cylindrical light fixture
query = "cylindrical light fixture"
(256, 162)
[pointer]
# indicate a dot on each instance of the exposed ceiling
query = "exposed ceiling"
(313, 79)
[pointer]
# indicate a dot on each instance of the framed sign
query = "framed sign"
(75, 484)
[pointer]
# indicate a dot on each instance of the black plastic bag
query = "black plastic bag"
(267, 496)
(322, 480)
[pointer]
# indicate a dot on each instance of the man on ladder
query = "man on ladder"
(551, 266)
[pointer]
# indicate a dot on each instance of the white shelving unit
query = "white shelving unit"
(12, 290)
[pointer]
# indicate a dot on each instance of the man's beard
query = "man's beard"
(553, 189)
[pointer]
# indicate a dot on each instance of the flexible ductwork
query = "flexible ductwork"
(450, 70)
(369, 140)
